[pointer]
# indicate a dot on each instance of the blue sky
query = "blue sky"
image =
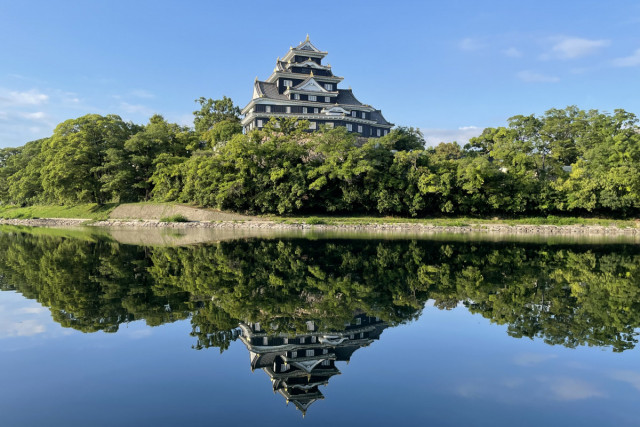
(450, 68)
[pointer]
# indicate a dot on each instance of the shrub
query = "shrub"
(174, 218)
(315, 220)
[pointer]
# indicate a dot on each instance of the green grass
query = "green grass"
(90, 211)
(174, 218)
(88, 234)
(457, 221)
(101, 212)
(315, 220)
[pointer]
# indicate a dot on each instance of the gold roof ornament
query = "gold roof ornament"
(307, 39)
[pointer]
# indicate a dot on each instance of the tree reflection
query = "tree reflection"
(570, 295)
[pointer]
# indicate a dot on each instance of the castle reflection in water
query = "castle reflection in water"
(299, 364)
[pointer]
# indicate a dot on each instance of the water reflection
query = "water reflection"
(299, 364)
(568, 295)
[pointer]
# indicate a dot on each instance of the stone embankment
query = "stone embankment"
(388, 227)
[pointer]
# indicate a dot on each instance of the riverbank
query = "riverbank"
(360, 226)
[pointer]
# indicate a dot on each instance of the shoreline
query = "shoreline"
(555, 230)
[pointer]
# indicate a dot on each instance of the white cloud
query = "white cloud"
(573, 389)
(461, 135)
(632, 60)
(512, 52)
(30, 97)
(630, 377)
(532, 359)
(575, 47)
(470, 44)
(141, 93)
(37, 115)
(528, 76)
(136, 109)
(20, 317)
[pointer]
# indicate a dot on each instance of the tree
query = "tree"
(76, 155)
(212, 112)
(406, 138)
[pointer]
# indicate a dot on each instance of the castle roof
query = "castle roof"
(292, 87)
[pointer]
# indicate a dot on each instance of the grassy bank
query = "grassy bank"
(158, 211)
(459, 221)
(86, 211)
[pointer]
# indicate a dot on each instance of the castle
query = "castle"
(302, 87)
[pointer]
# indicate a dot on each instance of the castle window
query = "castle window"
(312, 98)
(378, 132)
(349, 127)
(309, 353)
(359, 128)
(313, 339)
(364, 115)
(315, 111)
(325, 351)
(327, 99)
(354, 113)
(328, 86)
(294, 354)
(326, 362)
(386, 131)
(301, 340)
(358, 321)
(265, 341)
(259, 124)
(287, 83)
(329, 125)
(267, 108)
(304, 110)
(296, 96)
(313, 125)
(289, 111)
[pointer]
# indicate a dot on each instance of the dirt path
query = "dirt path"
(156, 212)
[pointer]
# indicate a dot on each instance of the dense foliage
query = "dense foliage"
(567, 160)
(565, 294)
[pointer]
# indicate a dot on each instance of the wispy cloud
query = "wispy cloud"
(471, 44)
(532, 359)
(136, 108)
(574, 47)
(17, 321)
(632, 60)
(16, 98)
(529, 76)
(461, 135)
(630, 377)
(37, 116)
(512, 52)
(141, 93)
(574, 389)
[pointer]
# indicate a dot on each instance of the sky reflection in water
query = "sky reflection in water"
(444, 367)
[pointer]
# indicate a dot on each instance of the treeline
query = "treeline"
(566, 161)
(564, 294)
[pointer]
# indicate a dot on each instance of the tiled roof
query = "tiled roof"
(345, 97)
(379, 118)
(270, 90)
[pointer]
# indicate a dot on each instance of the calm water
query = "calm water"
(346, 331)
